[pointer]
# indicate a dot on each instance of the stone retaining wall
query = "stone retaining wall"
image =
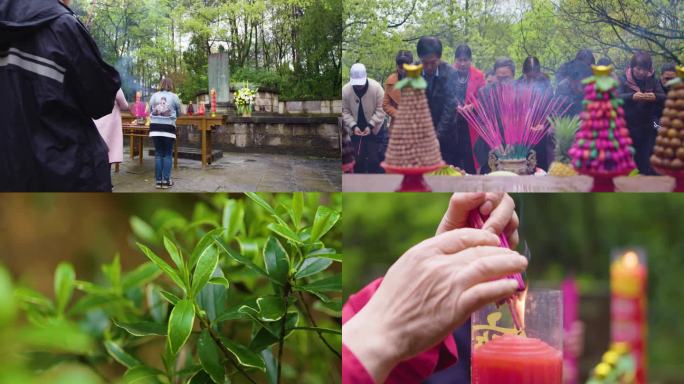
(298, 135)
(327, 107)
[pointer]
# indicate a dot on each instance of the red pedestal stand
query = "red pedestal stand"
(603, 182)
(413, 177)
(678, 176)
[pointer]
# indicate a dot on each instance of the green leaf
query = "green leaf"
(237, 257)
(233, 216)
(101, 301)
(143, 328)
(143, 230)
(142, 275)
(329, 284)
(206, 241)
(326, 253)
(118, 354)
(325, 219)
(174, 253)
(64, 285)
(271, 366)
(332, 308)
(206, 264)
(319, 329)
(271, 308)
(297, 208)
(230, 315)
(170, 297)
(30, 296)
(270, 334)
(212, 298)
(157, 305)
(8, 307)
(261, 202)
(312, 266)
(219, 280)
(276, 261)
(202, 377)
(180, 324)
(285, 232)
(59, 336)
(166, 268)
(113, 272)
(141, 374)
(210, 357)
(249, 248)
(244, 356)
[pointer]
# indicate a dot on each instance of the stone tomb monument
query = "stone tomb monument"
(219, 79)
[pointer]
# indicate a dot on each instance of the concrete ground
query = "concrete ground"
(235, 172)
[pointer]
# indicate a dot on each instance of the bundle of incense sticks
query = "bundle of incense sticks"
(514, 302)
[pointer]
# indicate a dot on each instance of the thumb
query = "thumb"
(460, 206)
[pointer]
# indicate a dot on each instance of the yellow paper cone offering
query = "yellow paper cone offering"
(413, 142)
(668, 153)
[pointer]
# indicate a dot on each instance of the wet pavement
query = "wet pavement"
(235, 172)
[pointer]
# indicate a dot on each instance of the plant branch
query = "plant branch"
(281, 339)
(313, 324)
(204, 322)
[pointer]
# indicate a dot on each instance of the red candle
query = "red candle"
(513, 359)
(213, 102)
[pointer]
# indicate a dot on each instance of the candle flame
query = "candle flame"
(516, 304)
(630, 259)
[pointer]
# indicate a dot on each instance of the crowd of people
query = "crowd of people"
(369, 109)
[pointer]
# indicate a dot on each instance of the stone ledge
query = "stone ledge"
(290, 119)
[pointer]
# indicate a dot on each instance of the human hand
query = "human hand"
(638, 96)
(367, 131)
(500, 208)
(358, 132)
(426, 294)
(650, 96)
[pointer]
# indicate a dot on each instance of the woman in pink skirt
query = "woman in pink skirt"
(111, 131)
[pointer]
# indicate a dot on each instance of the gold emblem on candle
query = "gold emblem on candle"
(486, 333)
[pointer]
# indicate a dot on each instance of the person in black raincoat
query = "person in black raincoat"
(53, 82)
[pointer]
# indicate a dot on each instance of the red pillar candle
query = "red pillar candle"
(628, 281)
(512, 359)
(213, 103)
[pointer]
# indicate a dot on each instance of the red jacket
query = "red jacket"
(410, 371)
(475, 82)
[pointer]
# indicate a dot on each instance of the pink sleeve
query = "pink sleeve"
(121, 101)
(414, 370)
(353, 372)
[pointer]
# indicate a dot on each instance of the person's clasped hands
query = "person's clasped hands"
(365, 132)
(434, 287)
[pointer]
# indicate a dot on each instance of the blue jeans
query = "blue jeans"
(163, 158)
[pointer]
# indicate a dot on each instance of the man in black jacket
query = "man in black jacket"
(53, 82)
(441, 95)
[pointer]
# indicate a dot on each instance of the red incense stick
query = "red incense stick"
(476, 221)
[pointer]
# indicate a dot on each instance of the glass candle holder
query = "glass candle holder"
(504, 354)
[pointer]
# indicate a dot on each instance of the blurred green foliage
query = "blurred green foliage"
(567, 234)
(227, 288)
